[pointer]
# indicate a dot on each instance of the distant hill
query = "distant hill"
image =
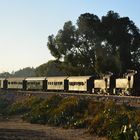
(25, 72)
(51, 68)
(5, 74)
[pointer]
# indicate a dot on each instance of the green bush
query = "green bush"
(68, 112)
(40, 113)
(95, 107)
(24, 106)
(114, 121)
(4, 104)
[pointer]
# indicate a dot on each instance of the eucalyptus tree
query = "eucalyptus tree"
(95, 45)
(75, 45)
(122, 38)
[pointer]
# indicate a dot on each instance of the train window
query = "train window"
(38, 83)
(82, 83)
(14, 83)
(30, 83)
(71, 83)
(76, 83)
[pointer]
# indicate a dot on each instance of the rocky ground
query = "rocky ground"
(16, 129)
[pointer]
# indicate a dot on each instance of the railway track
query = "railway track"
(128, 100)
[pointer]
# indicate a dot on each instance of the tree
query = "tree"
(95, 45)
(121, 37)
(76, 46)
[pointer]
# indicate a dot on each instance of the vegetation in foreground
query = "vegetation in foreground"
(117, 122)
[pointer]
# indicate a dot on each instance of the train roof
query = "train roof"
(79, 77)
(35, 78)
(57, 78)
(16, 79)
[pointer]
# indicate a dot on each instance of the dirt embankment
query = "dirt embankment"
(16, 129)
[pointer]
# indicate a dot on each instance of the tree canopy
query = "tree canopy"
(96, 45)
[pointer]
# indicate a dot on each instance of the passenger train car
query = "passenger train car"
(36, 83)
(129, 84)
(16, 83)
(57, 83)
(80, 83)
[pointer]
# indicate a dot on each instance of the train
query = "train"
(108, 84)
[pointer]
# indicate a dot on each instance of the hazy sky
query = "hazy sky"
(26, 24)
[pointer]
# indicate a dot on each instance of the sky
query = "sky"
(26, 24)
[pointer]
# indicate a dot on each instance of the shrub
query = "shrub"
(95, 107)
(67, 112)
(4, 104)
(24, 106)
(40, 114)
(70, 112)
(117, 122)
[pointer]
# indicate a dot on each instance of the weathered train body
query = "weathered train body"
(16, 83)
(129, 84)
(81, 83)
(104, 85)
(57, 83)
(36, 83)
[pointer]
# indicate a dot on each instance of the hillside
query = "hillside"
(25, 72)
(51, 68)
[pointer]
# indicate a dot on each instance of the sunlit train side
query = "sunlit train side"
(128, 85)
(106, 84)
(59, 83)
(36, 83)
(80, 83)
(16, 83)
